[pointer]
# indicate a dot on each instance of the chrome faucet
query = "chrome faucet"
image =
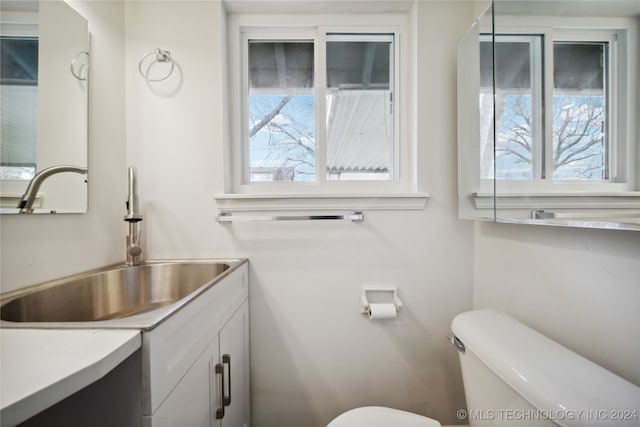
(26, 202)
(134, 250)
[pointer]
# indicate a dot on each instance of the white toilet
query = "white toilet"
(370, 416)
(515, 376)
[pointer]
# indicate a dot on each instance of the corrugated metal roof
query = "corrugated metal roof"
(359, 128)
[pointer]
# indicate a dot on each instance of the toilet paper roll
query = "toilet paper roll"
(382, 311)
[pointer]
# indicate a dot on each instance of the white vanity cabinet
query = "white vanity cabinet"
(195, 369)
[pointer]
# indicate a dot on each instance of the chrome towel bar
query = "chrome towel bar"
(227, 217)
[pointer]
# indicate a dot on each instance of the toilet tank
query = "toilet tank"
(515, 376)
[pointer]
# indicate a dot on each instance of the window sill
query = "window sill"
(11, 200)
(560, 200)
(325, 202)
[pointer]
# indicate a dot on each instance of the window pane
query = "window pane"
(360, 131)
(281, 111)
(579, 111)
(19, 60)
(515, 104)
(18, 129)
(19, 106)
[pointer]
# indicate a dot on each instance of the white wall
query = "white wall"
(36, 248)
(579, 287)
(313, 354)
(174, 128)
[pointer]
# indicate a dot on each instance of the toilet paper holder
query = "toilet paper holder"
(364, 301)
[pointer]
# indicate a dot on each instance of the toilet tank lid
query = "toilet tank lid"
(551, 377)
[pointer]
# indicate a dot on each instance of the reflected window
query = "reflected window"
(550, 126)
(580, 143)
(19, 106)
(518, 104)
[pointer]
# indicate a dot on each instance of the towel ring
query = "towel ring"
(73, 65)
(162, 56)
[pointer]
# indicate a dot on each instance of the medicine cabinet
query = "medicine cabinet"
(548, 100)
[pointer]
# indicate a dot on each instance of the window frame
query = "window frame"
(619, 109)
(242, 27)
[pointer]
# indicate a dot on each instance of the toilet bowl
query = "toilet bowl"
(378, 416)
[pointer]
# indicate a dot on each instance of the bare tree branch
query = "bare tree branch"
(576, 135)
(266, 119)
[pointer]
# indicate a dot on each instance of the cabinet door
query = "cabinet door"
(193, 401)
(234, 354)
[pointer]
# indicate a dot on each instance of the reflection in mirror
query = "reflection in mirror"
(581, 144)
(565, 99)
(44, 101)
(475, 120)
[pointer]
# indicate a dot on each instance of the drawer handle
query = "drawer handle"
(226, 400)
(220, 370)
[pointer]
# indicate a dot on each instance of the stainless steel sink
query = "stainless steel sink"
(115, 294)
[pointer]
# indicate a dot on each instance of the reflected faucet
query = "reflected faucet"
(26, 202)
(134, 250)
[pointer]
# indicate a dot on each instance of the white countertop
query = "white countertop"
(39, 367)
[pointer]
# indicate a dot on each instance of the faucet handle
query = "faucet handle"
(134, 248)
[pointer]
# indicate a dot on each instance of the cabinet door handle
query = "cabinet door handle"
(220, 411)
(226, 400)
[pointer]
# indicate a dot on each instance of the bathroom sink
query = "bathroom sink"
(115, 293)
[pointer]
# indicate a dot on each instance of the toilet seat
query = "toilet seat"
(378, 416)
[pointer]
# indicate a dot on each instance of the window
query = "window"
(518, 100)
(359, 107)
(281, 122)
(580, 114)
(357, 142)
(19, 109)
(317, 105)
(555, 97)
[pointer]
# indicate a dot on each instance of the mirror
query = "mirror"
(44, 97)
(562, 82)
